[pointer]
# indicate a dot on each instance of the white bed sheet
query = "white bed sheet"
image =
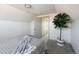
(10, 45)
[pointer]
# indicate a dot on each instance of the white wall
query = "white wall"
(14, 23)
(52, 32)
(11, 29)
(73, 11)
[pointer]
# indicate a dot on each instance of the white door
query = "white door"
(36, 28)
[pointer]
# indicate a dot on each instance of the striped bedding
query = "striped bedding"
(22, 45)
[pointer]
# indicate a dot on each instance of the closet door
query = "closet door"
(38, 28)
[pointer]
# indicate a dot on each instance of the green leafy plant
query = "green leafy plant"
(60, 21)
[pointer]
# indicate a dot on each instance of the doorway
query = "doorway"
(45, 26)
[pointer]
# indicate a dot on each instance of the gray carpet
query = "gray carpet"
(53, 48)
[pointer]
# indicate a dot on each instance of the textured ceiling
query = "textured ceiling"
(36, 9)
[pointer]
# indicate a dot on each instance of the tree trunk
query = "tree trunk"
(60, 33)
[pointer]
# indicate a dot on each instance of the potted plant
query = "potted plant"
(61, 21)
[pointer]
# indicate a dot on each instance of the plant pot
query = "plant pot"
(60, 42)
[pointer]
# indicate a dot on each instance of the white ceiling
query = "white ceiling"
(37, 9)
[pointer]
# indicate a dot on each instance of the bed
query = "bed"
(22, 45)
